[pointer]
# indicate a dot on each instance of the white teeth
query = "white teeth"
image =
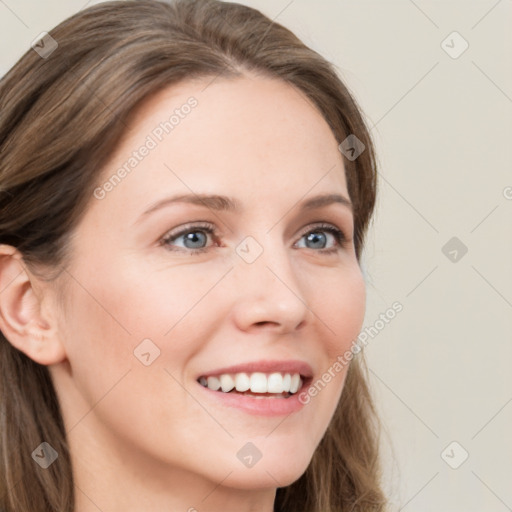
(287, 380)
(227, 383)
(213, 383)
(257, 382)
(242, 382)
(275, 383)
(296, 383)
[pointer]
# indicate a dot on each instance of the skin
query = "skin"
(144, 437)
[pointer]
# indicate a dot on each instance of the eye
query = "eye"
(194, 238)
(317, 239)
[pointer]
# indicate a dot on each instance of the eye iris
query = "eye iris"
(315, 237)
(193, 237)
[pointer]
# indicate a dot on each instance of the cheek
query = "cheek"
(115, 319)
(341, 308)
(97, 340)
(151, 301)
(111, 324)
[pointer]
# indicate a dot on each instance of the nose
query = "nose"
(268, 293)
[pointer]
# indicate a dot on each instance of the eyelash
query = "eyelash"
(337, 233)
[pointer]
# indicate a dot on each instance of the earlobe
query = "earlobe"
(22, 321)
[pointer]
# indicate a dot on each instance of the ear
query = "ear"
(23, 320)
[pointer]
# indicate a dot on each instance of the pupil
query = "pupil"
(192, 237)
(315, 237)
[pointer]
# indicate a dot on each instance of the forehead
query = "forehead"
(256, 138)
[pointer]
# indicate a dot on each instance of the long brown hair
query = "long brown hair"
(62, 113)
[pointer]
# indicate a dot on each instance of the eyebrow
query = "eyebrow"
(224, 203)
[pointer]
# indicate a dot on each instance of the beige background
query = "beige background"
(443, 128)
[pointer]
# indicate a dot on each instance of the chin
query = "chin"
(274, 472)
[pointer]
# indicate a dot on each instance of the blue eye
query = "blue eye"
(190, 238)
(317, 237)
(195, 238)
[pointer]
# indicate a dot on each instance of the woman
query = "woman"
(186, 189)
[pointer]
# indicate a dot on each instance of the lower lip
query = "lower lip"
(266, 406)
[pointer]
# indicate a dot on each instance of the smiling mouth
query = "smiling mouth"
(256, 384)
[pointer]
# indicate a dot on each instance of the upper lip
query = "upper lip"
(265, 366)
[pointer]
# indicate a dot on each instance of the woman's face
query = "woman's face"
(156, 302)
